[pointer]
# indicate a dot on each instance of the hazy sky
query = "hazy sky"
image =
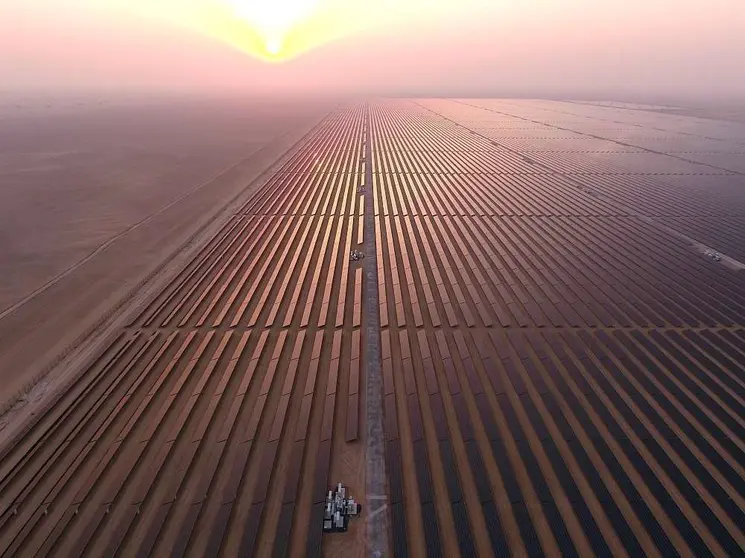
(495, 47)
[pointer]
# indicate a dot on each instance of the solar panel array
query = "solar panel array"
(218, 418)
(562, 375)
(562, 370)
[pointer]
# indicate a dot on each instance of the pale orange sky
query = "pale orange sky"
(494, 47)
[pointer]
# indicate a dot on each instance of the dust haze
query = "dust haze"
(477, 265)
(632, 50)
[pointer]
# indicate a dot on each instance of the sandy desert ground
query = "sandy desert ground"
(72, 181)
(89, 179)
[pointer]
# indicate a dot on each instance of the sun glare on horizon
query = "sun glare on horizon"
(281, 30)
(274, 21)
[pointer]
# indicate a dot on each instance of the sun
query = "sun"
(273, 20)
(274, 31)
(274, 46)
